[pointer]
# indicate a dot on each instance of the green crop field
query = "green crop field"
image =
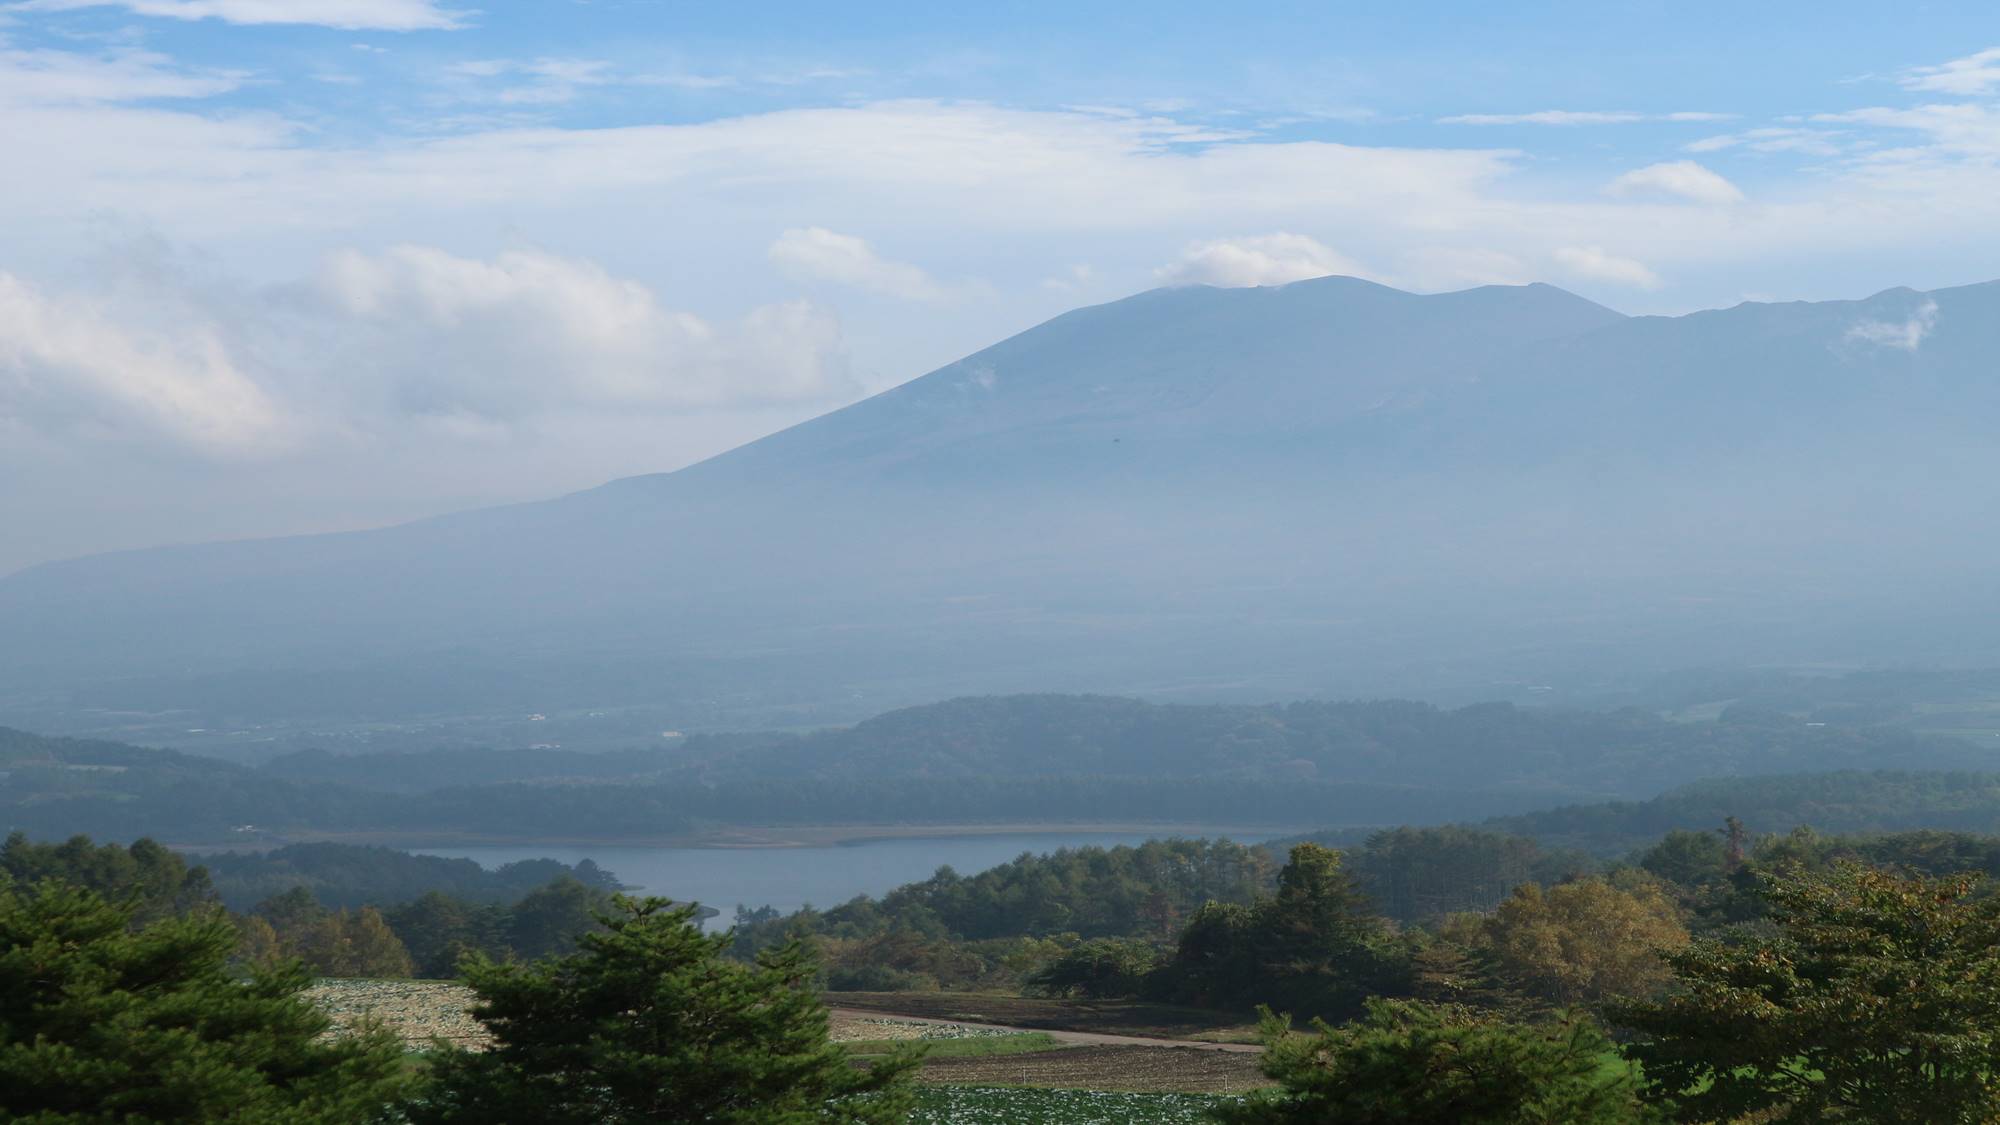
(973, 1105)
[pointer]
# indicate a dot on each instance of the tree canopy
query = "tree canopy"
(1875, 997)
(1409, 1063)
(648, 1022)
(105, 1021)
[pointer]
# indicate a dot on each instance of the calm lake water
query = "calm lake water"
(788, 878)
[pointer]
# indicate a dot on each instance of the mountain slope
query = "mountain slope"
(1324, 487)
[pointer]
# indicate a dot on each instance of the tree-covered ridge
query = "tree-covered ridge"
(1625, 752)
(343, 910)
(1847, 801)
(340, 875)
(996, 759)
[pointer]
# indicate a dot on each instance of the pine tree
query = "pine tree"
(102, 1022)
(648, 1022)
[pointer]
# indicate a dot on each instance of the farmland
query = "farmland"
(1010, 1106)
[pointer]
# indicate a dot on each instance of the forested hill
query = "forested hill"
(1019, 759)
(1395, 742)
(1848, 801)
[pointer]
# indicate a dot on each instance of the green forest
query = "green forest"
(1712, 975)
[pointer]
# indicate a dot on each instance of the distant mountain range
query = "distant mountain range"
(1325, 488)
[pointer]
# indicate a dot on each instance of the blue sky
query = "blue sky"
(283, 265)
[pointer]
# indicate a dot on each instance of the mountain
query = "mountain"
(1330, 487)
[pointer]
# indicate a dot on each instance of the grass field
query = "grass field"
(1001, 1106)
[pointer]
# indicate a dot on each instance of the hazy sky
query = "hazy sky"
(283, 265)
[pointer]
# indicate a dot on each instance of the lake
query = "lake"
(790, 877)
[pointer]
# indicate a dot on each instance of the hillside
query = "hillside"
(1193, 493)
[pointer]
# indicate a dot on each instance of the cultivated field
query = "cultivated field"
(1089, 1081)
(989, 1106)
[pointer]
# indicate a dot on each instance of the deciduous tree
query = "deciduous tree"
(1410, 1063)
(1877, 1000)
(1585, 941)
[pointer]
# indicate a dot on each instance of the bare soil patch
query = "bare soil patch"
(1184, 1070)
(1111, 1017)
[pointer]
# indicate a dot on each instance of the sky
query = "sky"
(283, 266)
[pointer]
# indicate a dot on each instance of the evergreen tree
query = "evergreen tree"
(1409, 1063)
(102, 1022)
(439, 929)
(1314, 948)
(648, 1022)
(550, 919)
(153, 880)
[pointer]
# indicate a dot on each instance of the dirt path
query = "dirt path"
(1081, 1038)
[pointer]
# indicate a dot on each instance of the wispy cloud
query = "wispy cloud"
(1977, 73)
(1905, 335)
(1682, 179)
(59, 78)
(1577, 117)
(546, 81)
(1804, 142)
(348, 15)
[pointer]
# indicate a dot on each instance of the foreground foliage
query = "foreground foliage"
(1409, 1063)
(102, 1021)
(648, 1022)
(1878, 1000)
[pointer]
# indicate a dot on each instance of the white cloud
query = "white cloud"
(1907, 334)
(1977, 73)
(71, 364)
(349, 15)
(818, 254)
(1577, 117)
(1265, 259)
(1683, 179)
(379, 342)
(1593, 263)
